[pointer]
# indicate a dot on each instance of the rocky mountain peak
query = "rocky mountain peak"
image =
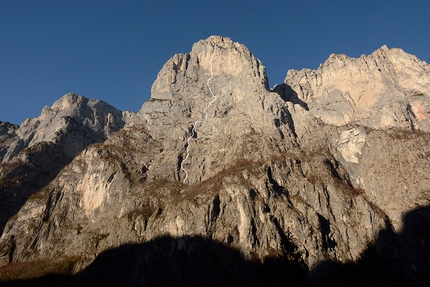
(382, 90)
(236, 76)
(34, 153)
(232, 60)
(69, 102)
(7, 136)
(217, 172)
(71, 114)
(7, 128)
(224, 79)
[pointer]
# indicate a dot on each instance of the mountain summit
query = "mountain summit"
(287, 185)
(382, 90)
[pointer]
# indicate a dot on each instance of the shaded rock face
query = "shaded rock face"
(268, 176)
(395, 259)
(7, 136)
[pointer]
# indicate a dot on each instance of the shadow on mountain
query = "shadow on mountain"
(20, 179)
(182, 261)
(289, 95)
(394, 260)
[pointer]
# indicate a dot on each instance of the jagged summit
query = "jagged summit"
(321, 169)
(245, 108)
(233, 62)
(88, 120)
(385, 89)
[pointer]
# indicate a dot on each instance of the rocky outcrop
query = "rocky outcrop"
(245, 115)
(385, 90)
(34, 153)
(388, 88)
(7, 136)
(74, 119)
(269, 179)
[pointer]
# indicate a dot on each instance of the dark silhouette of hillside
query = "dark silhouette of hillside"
(394, 260)
(189, 261)
(182, 261)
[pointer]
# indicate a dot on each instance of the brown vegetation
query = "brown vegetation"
(35, 269)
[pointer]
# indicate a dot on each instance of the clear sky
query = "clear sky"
(113, 50)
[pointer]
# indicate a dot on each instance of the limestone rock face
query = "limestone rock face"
(244, 115)
(34, 153)
(388, 88)
(83, 120)
(264, 177)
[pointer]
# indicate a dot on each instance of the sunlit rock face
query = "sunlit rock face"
(74, 119)
(388, 88)
(310, 171)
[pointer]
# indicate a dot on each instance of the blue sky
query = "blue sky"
(113, 50)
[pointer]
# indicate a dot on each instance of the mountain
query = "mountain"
(383, 90)
(218, 174)
(35, 152)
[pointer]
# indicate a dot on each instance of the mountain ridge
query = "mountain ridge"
(268, 170)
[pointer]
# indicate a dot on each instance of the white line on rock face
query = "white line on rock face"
(204, 111)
